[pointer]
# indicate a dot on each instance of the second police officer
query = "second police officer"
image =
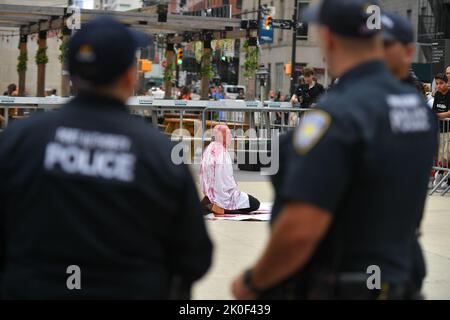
(353, 191)
(399, 50)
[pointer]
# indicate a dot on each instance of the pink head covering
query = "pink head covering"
(222, 134)
(216, 173)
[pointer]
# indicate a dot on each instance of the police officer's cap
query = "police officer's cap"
(103, 49)
(343, 17)
(396, 28)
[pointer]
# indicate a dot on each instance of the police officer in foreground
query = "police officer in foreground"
(347, 204)
(399, 50)
(92, 205)
(399, 47)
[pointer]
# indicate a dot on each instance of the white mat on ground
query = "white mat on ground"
(262, 214)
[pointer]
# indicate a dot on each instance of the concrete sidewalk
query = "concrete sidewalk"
(239, 244)
(436, 244)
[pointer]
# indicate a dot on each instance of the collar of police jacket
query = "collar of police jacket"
(93, 101)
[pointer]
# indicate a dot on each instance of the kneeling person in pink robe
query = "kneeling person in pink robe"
(222, 195)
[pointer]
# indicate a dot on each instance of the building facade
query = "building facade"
(9, 41)
(431, 22)
(199, 5)
(277, 55)
(173, 5)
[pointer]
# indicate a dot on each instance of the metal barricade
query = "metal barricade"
(251, 122)
(268, 115)
(256, 133)
(278, 114)
(142, 106)
(441, 164)
(28, 105)
(191, 122)
(181, 110)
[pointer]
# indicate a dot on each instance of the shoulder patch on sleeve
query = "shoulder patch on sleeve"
(312, 128)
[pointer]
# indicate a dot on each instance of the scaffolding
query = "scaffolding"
(177, 29)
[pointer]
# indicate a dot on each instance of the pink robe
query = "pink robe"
(216, 174)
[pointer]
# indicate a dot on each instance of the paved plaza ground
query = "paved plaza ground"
(238, 244)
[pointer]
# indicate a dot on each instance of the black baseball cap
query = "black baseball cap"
(396, 28)
(103, 49)
(343, 17)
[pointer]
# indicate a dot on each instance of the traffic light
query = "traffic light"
(268, 22)
(180, 56)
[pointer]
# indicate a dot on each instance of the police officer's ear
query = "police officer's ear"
(129, 79)
(327, 41)
(410, 52)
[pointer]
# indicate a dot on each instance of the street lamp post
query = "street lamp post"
(294, 47)
(259, 17)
